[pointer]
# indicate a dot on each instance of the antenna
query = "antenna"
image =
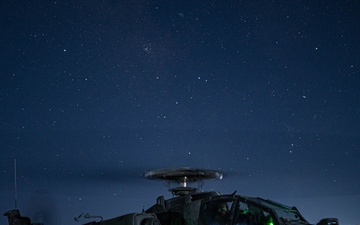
(15, 184)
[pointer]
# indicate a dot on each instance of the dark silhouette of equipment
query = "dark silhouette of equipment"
(192, 206)
(15, 218)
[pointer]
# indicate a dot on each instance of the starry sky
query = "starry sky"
(94, 93)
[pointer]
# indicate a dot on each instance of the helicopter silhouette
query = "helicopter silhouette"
(192, 206)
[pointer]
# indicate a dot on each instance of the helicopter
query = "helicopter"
(192, 206)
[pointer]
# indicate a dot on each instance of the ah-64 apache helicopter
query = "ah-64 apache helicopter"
(189, 206)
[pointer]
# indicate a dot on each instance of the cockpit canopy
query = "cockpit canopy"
(238, 210)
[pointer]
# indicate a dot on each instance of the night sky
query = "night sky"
(94, 93)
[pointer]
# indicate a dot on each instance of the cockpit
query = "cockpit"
(239, 210)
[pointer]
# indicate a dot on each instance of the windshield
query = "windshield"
(216, 212)
(285, 213)
(231, 212)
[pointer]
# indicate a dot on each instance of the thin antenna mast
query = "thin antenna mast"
(15, 184)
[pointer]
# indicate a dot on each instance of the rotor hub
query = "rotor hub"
(183, 176)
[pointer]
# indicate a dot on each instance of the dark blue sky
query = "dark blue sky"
(93, 93)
